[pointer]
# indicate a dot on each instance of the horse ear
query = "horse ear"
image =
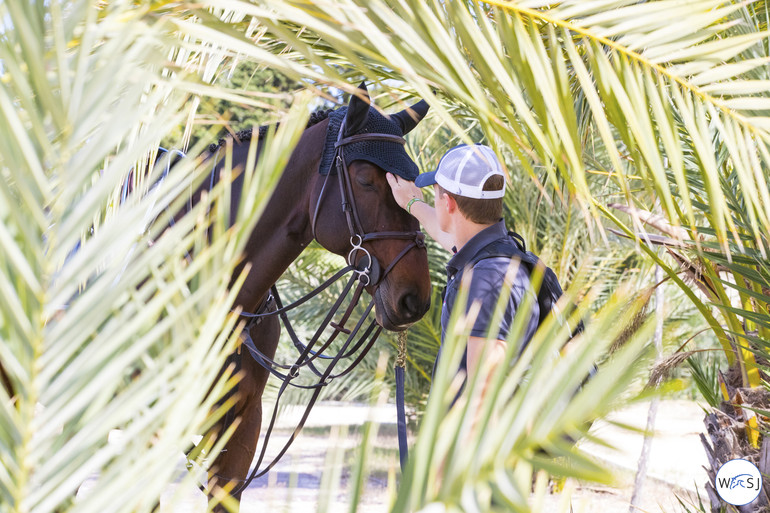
(409, 117)
(358, 111)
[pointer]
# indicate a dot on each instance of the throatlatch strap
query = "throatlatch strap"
(403, 445)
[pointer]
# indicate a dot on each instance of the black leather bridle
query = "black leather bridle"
(366, 270)
(358, 235)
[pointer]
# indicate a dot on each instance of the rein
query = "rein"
(366, 270)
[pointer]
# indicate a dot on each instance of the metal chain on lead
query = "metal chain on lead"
(401, 358)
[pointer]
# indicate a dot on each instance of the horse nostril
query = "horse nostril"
(411, 305)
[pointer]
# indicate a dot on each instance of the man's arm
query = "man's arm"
(494, 356)
(486, 285)
(403, 192)
(427, 217)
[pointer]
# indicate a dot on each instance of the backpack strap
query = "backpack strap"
(550, 290)
(513, 246)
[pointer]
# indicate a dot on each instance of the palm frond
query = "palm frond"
(625, 62)
(539, 404)
(105, 324)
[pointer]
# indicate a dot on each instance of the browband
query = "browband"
(369, 137)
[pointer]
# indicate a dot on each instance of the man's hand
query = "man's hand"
(403, 190)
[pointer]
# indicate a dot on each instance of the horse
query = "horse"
(306, 205)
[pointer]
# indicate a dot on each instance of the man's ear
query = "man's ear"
(450, 202)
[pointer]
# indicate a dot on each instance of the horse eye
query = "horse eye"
(364, 182)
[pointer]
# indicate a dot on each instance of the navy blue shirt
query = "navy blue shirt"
(487, 280)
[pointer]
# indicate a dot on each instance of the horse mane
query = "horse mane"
(245, 135)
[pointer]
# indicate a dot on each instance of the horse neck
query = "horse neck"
(284, 228)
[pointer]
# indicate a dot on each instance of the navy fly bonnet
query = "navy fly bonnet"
(390, 156)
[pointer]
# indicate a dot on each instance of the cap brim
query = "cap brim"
(425, 179)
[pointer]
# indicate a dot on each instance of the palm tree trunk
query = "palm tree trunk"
(727, 440)
(641, 469)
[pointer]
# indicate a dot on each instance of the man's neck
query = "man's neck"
(465, 230)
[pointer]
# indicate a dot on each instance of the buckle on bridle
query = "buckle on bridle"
(357, 245)
(363, 274)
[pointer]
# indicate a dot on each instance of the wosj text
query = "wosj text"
(746, 481)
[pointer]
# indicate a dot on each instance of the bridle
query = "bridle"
(366, 270)
(358, 235)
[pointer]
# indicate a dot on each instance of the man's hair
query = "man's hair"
(481, 211)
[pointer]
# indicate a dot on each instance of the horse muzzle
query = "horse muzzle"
(400, 312)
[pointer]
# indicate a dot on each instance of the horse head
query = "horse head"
(370, 229)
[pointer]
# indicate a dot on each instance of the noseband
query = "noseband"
(369, 270)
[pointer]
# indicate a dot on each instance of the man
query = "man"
(469, 185)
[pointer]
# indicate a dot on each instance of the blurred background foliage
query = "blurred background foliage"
(272, 91)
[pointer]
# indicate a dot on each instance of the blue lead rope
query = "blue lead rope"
(403, 446)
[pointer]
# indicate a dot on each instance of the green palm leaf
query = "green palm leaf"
(531, 406)
(492, 59)
(114, 322)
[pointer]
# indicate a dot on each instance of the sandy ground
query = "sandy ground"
(676, 460)
(333, 429)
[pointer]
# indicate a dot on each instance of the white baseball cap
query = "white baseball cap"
(464, 170)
